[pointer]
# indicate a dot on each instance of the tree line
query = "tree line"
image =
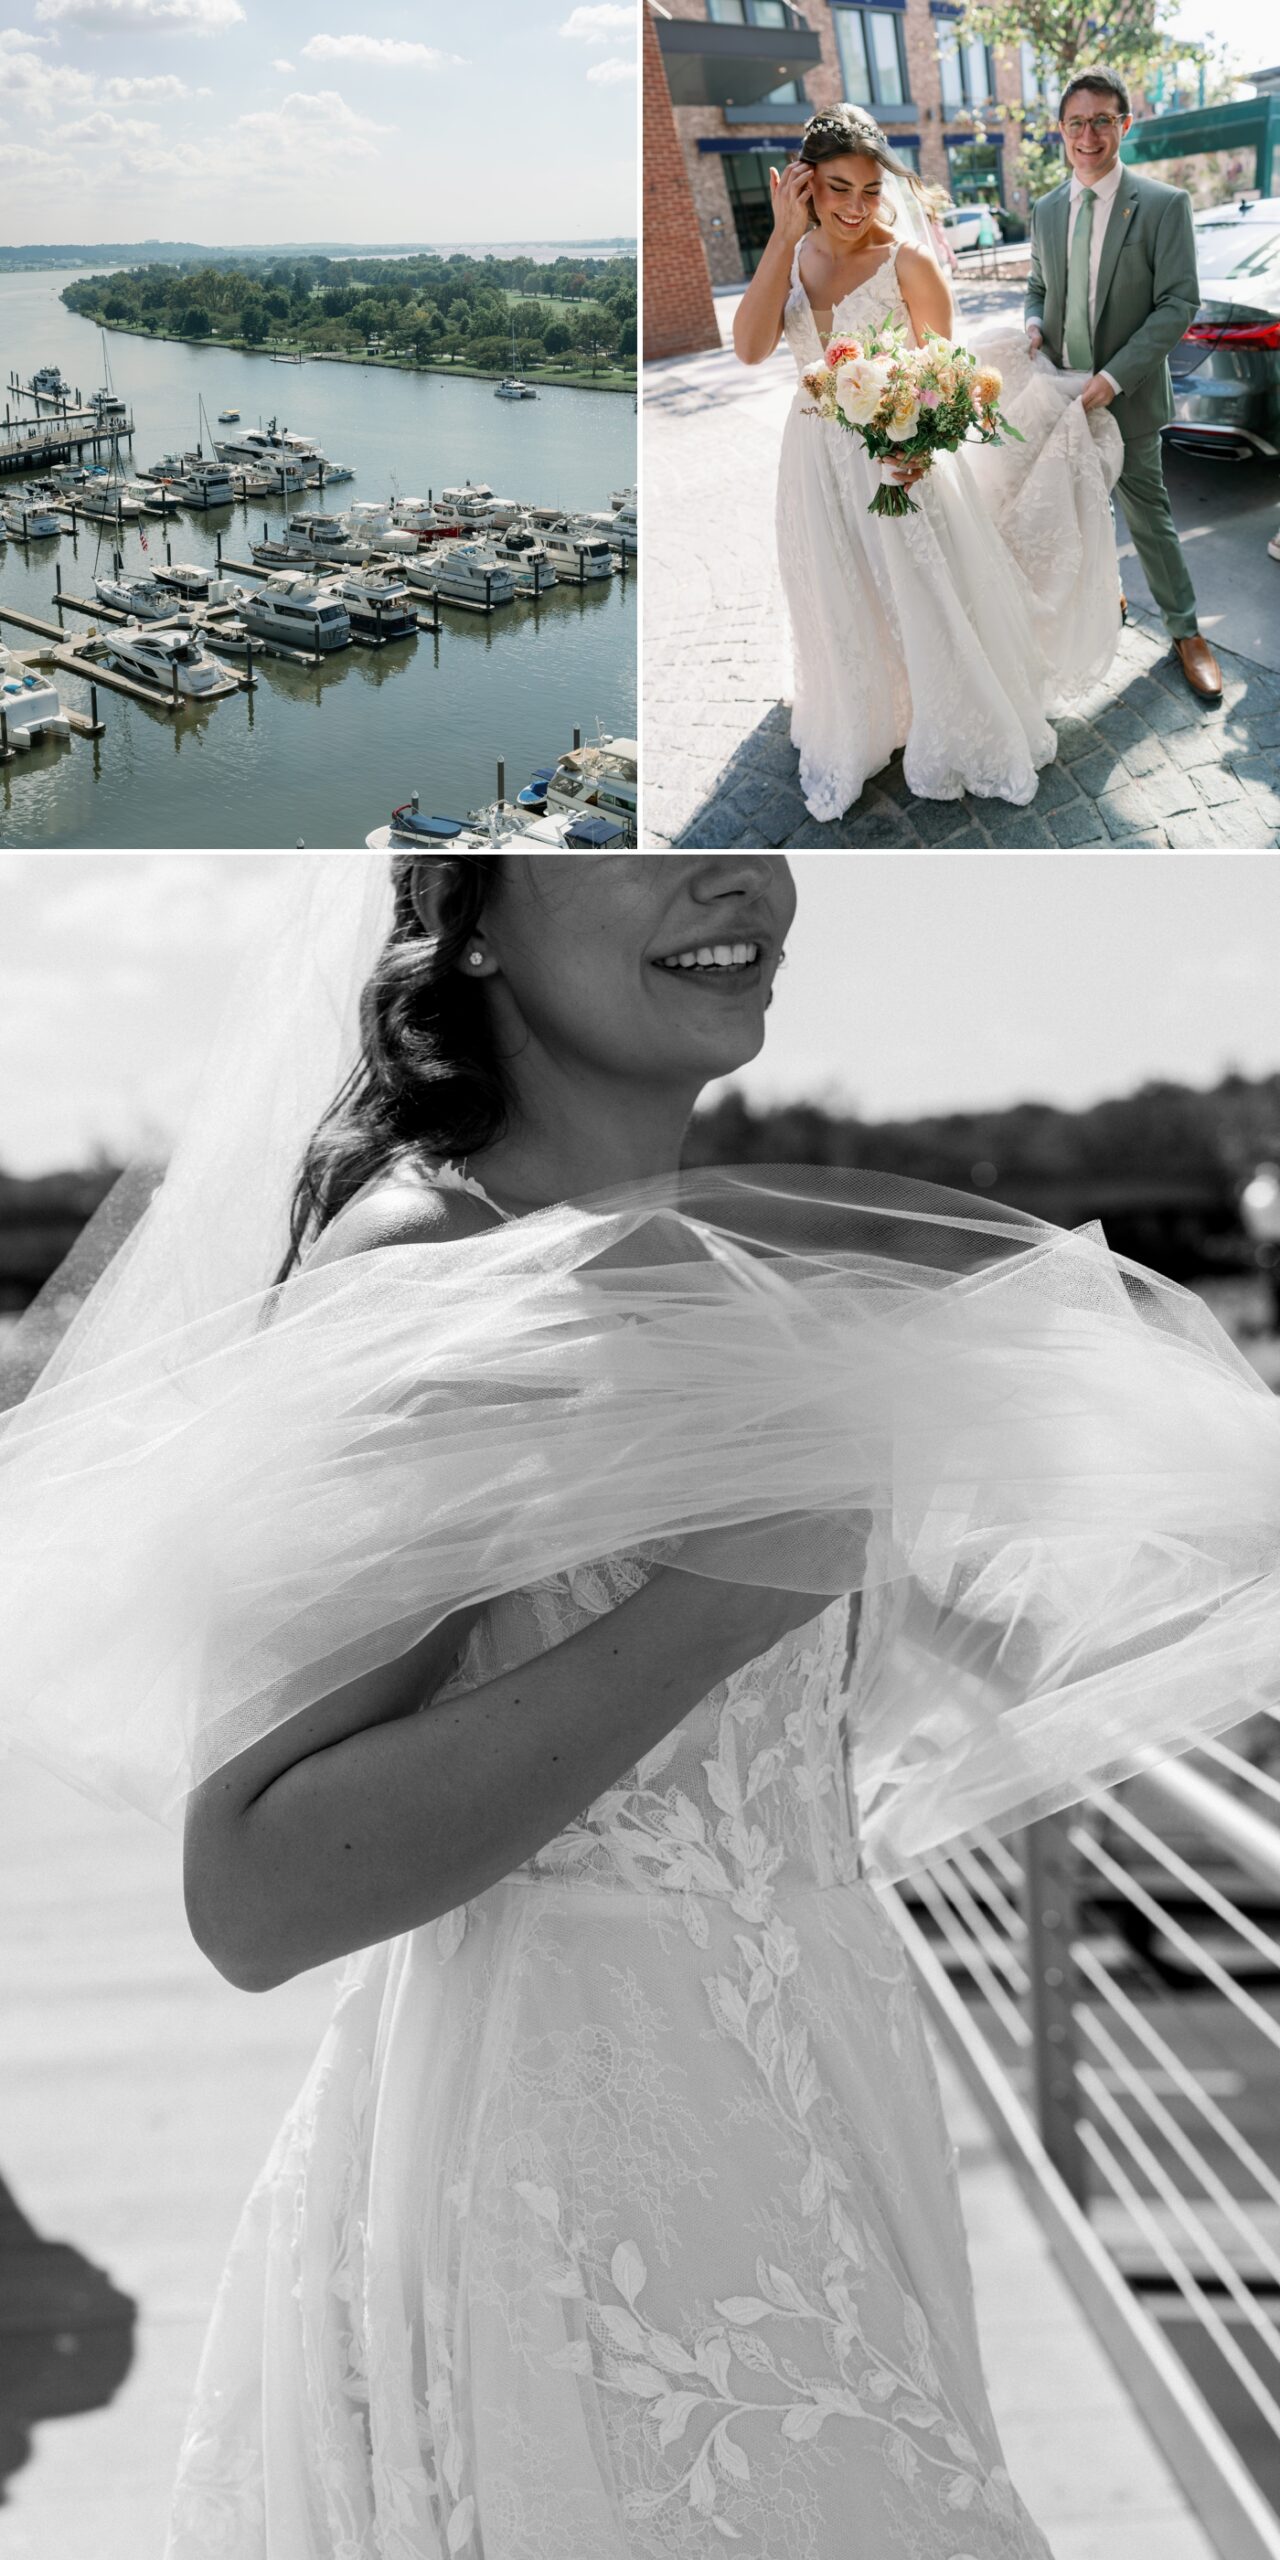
(571, 312)
(1163, 1168)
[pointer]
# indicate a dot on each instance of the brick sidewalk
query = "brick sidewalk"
(1142, 765)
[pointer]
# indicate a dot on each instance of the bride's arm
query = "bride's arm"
(364, 1817)
(926, 293)
(757, 325)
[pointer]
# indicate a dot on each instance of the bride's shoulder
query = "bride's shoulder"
(404, 1204)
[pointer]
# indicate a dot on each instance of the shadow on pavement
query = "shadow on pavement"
(66, 2334)
(1141, 763)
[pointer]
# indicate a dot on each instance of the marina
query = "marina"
(464, 638)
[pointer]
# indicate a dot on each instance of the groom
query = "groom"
(1112, 287)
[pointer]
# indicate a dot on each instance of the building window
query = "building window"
(966, 73)
(907, 152)
(747, 179)
(974, 170)
(1041, 87)
(759, 13)
(873, 64)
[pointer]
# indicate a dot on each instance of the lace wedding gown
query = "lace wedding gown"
(616, 2219)
(950, 633)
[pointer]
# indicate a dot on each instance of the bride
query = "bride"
(953, 632)
(480, 1585)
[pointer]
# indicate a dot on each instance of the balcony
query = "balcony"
(720, 66)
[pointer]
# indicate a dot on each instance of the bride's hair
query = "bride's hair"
(427, 1079)
(835, 131)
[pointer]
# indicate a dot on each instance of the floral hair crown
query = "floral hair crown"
(843, 119)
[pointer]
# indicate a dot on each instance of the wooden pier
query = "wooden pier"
(60, 431)
(73, 654)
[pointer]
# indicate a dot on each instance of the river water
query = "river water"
(320, 756)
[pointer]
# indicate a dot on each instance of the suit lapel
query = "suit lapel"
(1123, 212)
(1055, 215)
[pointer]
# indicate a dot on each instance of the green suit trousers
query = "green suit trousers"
(1145, 499)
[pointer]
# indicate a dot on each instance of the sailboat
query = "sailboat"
(511, 387)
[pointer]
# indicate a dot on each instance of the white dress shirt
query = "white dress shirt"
(1104, 195)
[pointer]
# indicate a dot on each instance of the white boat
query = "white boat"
(619, 498)
(331, 471)
(29, 523)
(172, 467)
(154, 497)
(464, 573)
(296, 612)
(577, 554)
(228, 417)
(184, 578)
(109, 500)
(513, 388)
(206, 484)
(379, 605)
(626, 527)
(319, 537)
(176, 657)
(471, 503)
(272, 444)
(431, 520)
(143, 597)
(108, 408)
(30, 704)
(249, 481)
(275, 551)
(410, 825)
(528, 559)
(600, 780)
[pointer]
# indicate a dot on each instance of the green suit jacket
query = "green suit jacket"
(1148, 291)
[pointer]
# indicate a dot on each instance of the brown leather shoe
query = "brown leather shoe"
(1199, 666)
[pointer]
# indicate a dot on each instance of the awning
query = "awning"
(713, 66)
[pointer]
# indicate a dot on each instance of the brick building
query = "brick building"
(937, 100)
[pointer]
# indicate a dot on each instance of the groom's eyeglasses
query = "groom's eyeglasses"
(1101, 125)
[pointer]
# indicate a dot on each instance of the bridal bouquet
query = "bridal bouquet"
(907, 403)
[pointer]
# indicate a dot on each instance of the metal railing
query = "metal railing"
(1111, 1988)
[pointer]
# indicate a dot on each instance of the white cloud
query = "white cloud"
(148, 17)
(280, 66)
(42, 86)
(617, 67)
(383, 52)
(164, 85)
(307, 120)
(102, 127)
(600, 19)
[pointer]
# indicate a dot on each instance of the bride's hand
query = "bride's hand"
(792, 195)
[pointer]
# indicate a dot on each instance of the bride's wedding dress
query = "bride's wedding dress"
(953, 632)
(617, 2219)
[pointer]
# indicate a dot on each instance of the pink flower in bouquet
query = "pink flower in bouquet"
(843, 351)
(929, 397)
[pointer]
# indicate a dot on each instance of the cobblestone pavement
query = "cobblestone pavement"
(1143, 764)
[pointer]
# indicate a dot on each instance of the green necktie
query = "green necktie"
(1079, 336)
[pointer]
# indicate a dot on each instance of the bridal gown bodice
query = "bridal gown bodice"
(951, 632)
(617, 2218)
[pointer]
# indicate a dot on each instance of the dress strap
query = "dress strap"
(452, 1177)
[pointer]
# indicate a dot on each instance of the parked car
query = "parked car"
(962, 223)
(1226, 368)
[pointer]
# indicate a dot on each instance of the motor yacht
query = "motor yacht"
(410, 825)
(28, 523)
(172, 467)
(110, 501)
(108, 408)
(464, 573)
(626, 527)
(275, 551)
(175, 658)
(206, 484)
(319, 537)
(143, 597)
(30, 704)
(471, 503)
(298, 613)
(512, 388)
(379, 605)
(577, 554)
(183, 578)
(599, 780)
(47, 384)
(228, 417)
(528, 559)
(271, 445)
(154, 497)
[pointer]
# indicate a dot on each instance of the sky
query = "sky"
(912, 985)
(230, 121)
(1245, 27)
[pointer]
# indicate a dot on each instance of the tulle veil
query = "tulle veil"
(1048, 1474)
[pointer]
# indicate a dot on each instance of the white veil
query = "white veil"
(1052, 1475)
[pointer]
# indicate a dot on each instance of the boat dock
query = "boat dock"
(60, 431)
